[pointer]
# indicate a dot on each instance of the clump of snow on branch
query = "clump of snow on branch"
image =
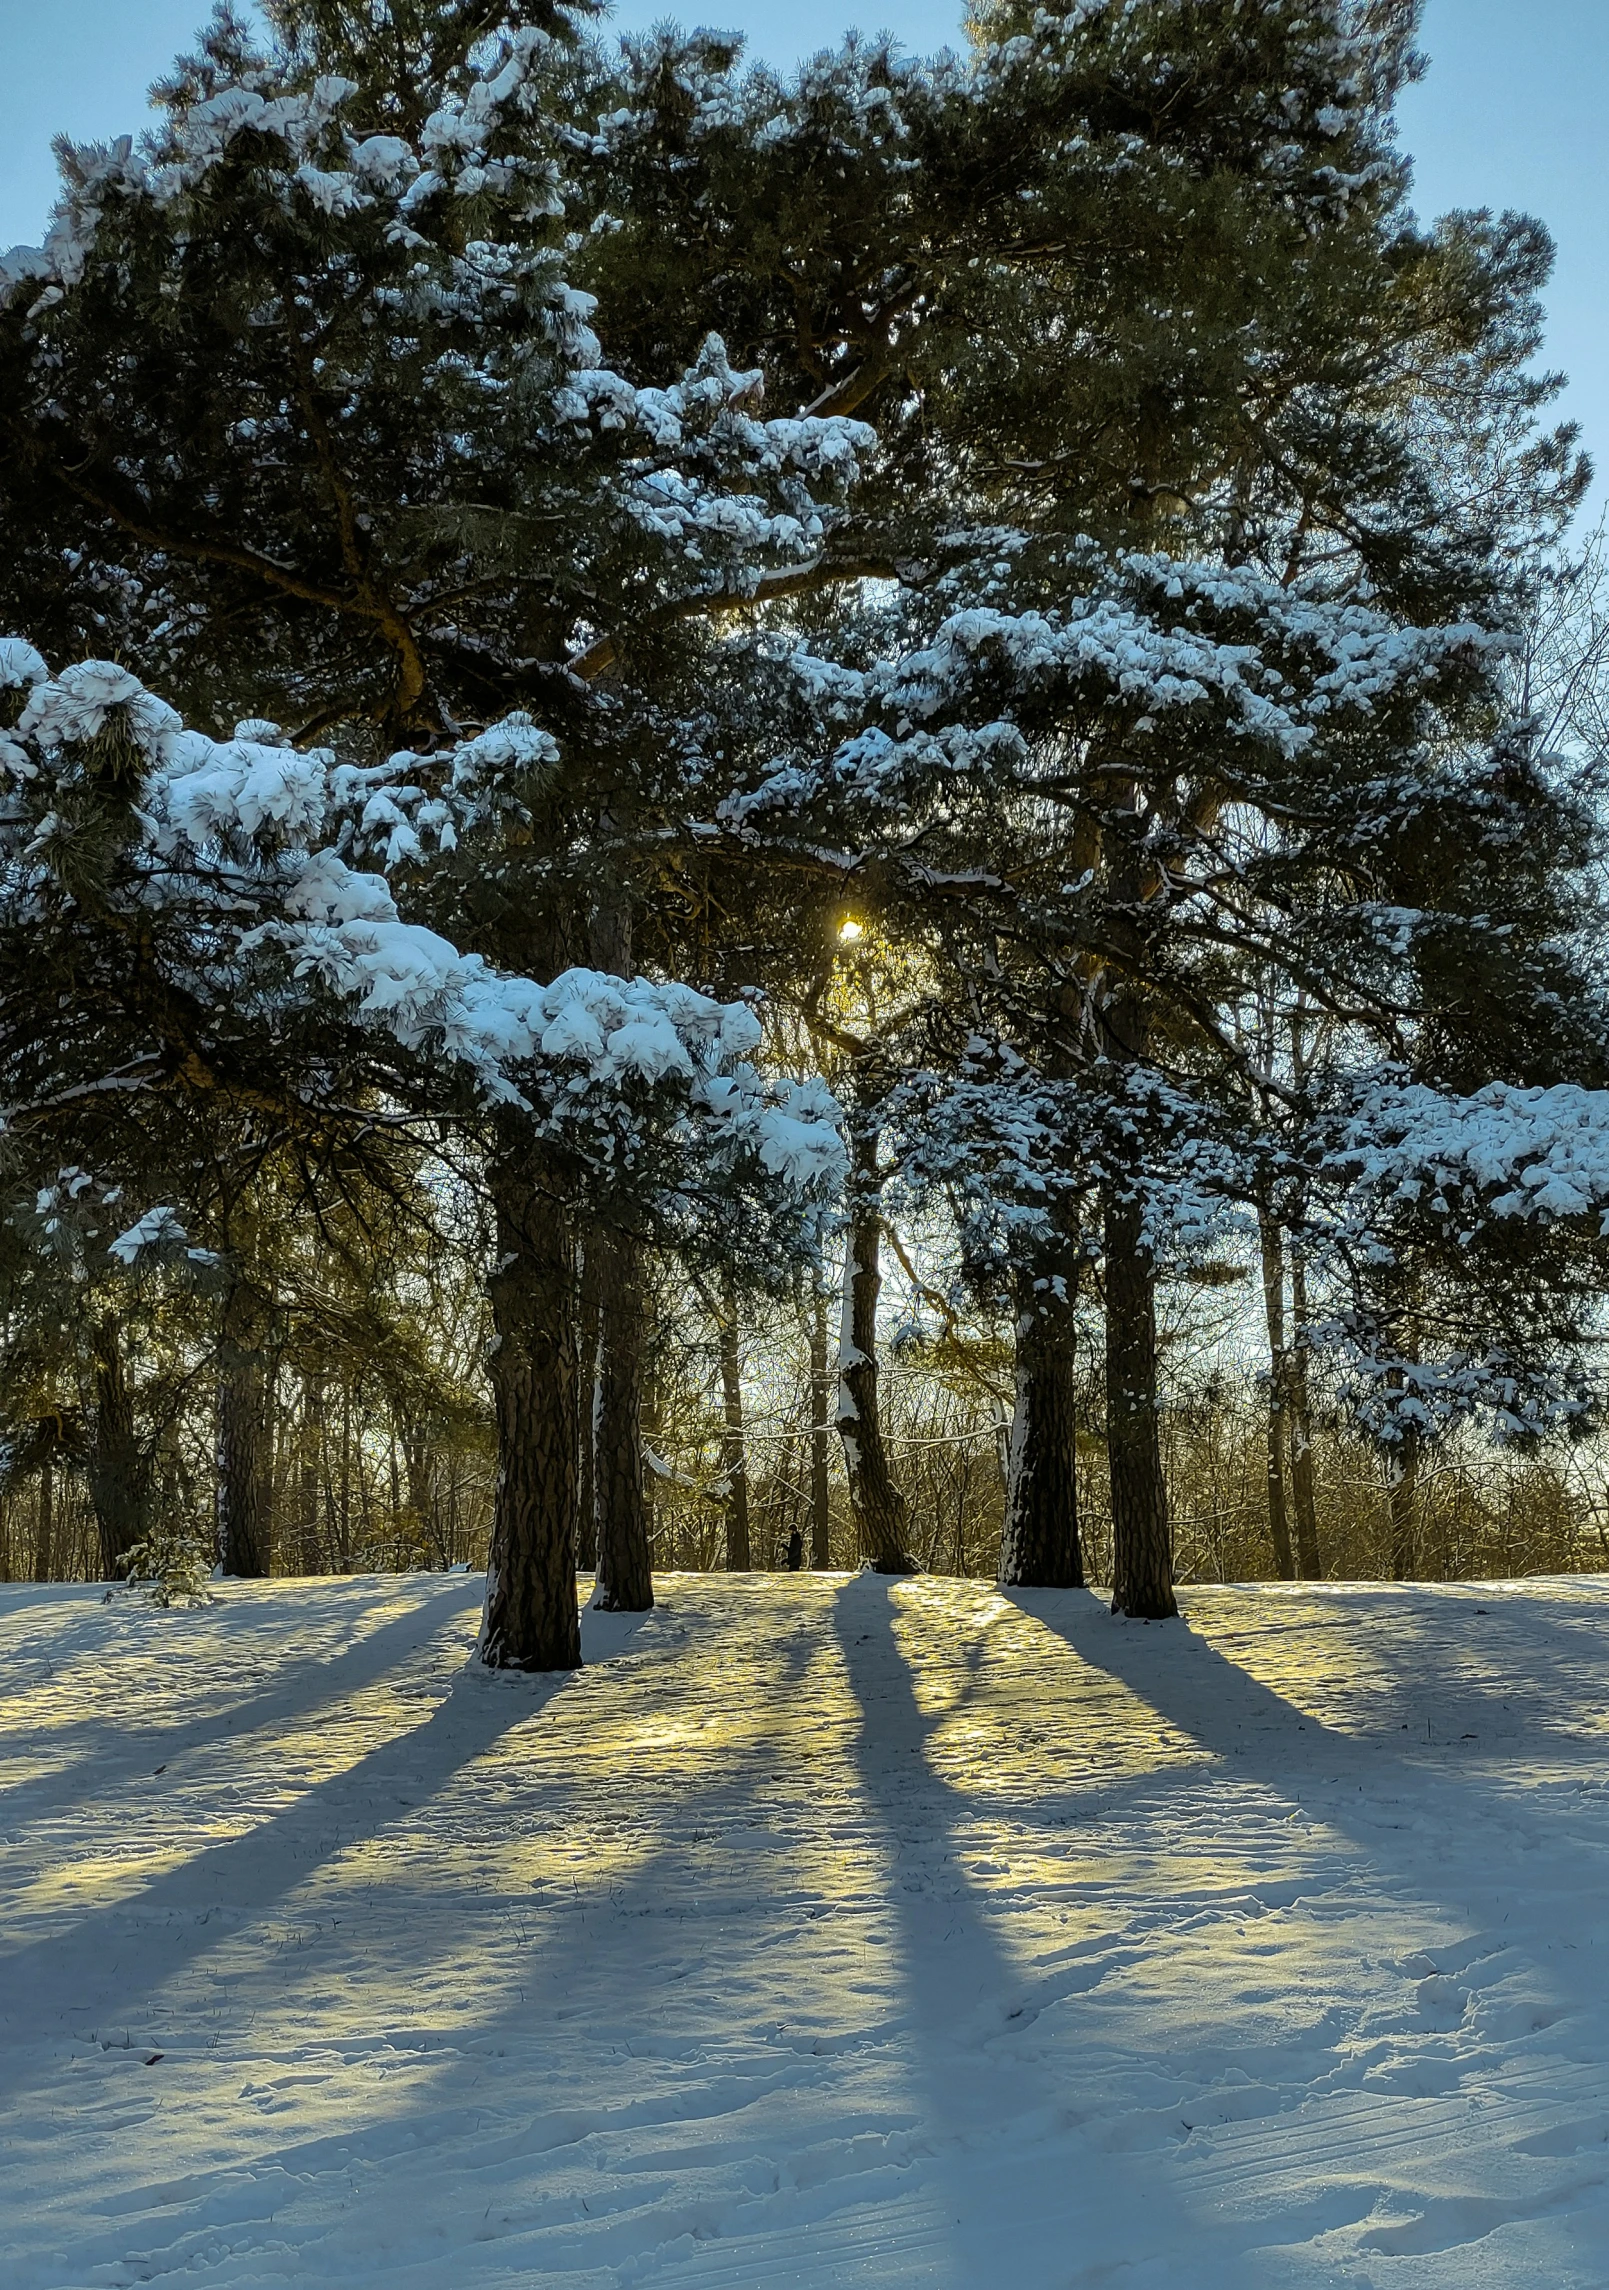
(1021, 1156)
(1156, 644)
(158, 1228)
(260, 820)
(1535, 1154)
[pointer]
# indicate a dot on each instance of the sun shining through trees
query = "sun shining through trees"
(665, 769)
(805, 1068)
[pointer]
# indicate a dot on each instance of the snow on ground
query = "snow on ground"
(825, 1931)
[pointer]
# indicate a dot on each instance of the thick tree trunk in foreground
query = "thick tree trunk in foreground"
(1142, 1567)
(734, 1457)
(531, 1620)
(1273, 1257)
(1039, 1547)
(625, 1583)
(245, 1493)
(879, 1507)
(820, 1433)
(1304, 1493)
(1142, 1539)
(119, 1471)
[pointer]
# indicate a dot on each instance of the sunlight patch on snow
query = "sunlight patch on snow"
(829, 1930)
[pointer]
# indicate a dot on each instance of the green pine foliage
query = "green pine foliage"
(1057, 508)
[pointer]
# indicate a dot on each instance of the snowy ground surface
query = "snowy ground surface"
(822, 1932)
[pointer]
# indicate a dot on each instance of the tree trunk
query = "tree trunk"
(531, 1620)
(625, 1582)
(1403, 1454)
(1142, 1540)
(590, 1335)
(344, 1503)
(652, 1403)
(307, 1474)
(1039, 1547)
(1304, 1495)
(394, 1474)
(1402, 1477)
(1142, 1544)
(245, 1498)
(734, 1459)
(1273, 1257)
(424, 1490)
(878, 1506)
(820, 1433)
(119, 1470)
(45, 1521)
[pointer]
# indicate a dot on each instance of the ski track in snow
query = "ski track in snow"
(823, 1931)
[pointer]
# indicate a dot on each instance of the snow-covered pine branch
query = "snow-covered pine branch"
(224, 846)
(1187, 665)
(457, 400)
(1498, 1155)
(1024, 1156)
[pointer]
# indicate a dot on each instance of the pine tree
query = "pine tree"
(1228, 700)
(276, 983)
(362, 468)
(1147, 660)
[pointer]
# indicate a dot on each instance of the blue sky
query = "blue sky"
(1511, 115)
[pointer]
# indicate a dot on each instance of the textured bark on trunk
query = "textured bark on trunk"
(878, 1506)
(45, 1522)
(531, 1620)
(245, 1494)
(1304, 1493)
(734, 1455)
(820, 1433)
(308, 1470)
(586, 1523)
(1142, 1543)
(1402, 1477)
(1276, 1428)
(424, 1498)
(1039, 1547)
(1142, 1540)
(652, 1405)
(625, 1582)
(119, 1470)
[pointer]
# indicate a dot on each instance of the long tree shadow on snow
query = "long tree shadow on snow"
(1473, 1663)
(301, 1688)
(1373, 1789)
(1050, 2204)
(1217, 1703)
(112, 1960)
